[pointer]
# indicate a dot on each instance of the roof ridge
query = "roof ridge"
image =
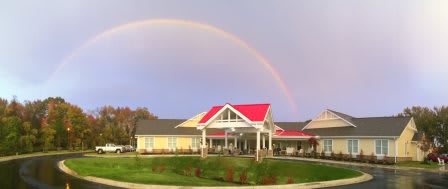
(336, 112)
(249, 104)
(383, 117)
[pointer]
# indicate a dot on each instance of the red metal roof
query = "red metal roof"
(210, 113)
(254, 112)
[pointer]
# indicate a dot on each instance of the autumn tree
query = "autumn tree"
(28, 137)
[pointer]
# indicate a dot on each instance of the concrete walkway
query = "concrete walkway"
(442, 169)
(363, 178)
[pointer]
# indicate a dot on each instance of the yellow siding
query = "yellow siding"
(161, 142)
(405, 147)
(366, 145)
(193, 122)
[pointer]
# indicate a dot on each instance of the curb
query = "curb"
(362, 164)
(322, 184)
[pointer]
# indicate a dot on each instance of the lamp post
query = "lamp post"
(68, 138)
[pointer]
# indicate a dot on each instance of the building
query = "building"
(250, 129)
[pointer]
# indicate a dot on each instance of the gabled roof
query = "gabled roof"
(291, 125)
(343, 116)
(166, 127)
(370, 126)
(254, 112)
(192, 122)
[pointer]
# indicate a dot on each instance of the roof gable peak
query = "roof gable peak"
(328, 119)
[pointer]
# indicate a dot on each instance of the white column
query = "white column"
(258, 144)
(245, 144)
(396, 149)
(236, 143)
(264, 141)
(225, 141)
(270, 140)
(204, 142)
(210, 143)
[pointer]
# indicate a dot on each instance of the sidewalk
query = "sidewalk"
(442, 169)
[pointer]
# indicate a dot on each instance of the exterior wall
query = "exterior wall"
(340, 145)
(183, 144)
(328, 124)
(405, 146)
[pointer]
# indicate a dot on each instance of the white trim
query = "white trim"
(153, 143)
(374, 144)
(330, 145)
(275, 126)
(227, 106)
(348, 151)
(168, 143)
(315, 119)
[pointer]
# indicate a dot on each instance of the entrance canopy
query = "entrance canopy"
(237, 119)
(243, 118)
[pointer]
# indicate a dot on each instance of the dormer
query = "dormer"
(329, 119)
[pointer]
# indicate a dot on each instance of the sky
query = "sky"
(364, 58)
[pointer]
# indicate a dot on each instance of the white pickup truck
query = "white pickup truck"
(109, 148)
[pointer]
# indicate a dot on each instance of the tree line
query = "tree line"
(432, 123)
(54, 123)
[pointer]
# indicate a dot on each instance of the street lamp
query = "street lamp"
(68, 138)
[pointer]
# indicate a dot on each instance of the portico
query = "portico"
(239, 122)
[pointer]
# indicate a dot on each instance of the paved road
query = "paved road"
(41, 172)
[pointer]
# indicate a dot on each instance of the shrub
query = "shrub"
(229, 174)
(372, 158)
(243, 177)
(290, 180)
(161, 168)
(197, 172)
(154, 167)
(340, 155)
(138, 161)
(361, 155)
(187, 171)
(269, 180)
(332, 155)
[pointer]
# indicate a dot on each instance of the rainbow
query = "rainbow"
(197, 25)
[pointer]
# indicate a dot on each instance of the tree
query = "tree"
(425, 120)
(28, 138)
(10, 132)
(441, 127)
(47, 136)
(424, 145)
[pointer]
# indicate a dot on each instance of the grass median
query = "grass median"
(214, 171)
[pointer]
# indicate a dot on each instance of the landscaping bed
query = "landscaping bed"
(213, 171)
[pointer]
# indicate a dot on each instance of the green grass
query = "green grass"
(213, 170)
(418, 164)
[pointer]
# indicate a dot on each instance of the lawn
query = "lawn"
(214, 171)
(418, 164)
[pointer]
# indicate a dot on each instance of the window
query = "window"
(352, 146)
(172, 142)
(149, 142)
(381, 146)
(328, 145)
(195, 143)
